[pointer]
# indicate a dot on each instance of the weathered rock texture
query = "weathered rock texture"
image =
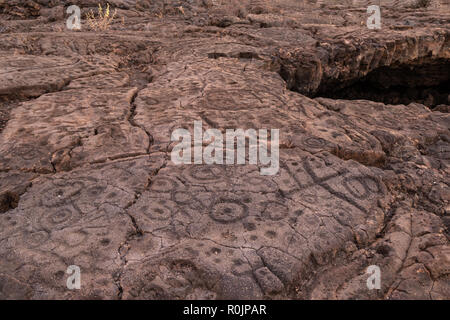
(85, 172)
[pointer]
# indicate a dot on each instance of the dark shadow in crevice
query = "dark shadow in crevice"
(425, 82)
(8, 201)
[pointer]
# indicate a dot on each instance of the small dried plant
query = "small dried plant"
(103, 19)
(169, 10)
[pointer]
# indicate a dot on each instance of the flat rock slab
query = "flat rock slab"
(86, 176)
(30, 76)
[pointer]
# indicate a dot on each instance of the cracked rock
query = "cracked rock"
(86, 177)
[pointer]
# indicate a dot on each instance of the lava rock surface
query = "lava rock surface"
(85, 139)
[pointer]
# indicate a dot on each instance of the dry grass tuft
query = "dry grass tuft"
(102, 21)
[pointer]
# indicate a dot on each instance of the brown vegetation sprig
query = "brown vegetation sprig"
(102, 21)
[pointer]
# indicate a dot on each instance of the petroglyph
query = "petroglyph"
(86, 177)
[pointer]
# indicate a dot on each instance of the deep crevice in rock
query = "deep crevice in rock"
(426, 82)
(8, 201)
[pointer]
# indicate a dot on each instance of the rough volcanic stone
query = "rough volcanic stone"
(86, 177)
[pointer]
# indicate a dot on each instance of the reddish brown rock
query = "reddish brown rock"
(85, 141)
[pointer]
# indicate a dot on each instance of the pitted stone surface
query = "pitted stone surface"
(86, 177)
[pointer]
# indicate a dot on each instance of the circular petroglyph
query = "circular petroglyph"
(309, 197)
(182, 197)
(205, 173)
(158, 210)
(61, 191)
(361, 187)
(74, 239)
(149, 100)
(159, 213)
(95, 191)
(275, 211)
(261, 182)
(163, 184)
(228, 211)
(59, 218)
(314, 142)
(9, 224)
(36, 238)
